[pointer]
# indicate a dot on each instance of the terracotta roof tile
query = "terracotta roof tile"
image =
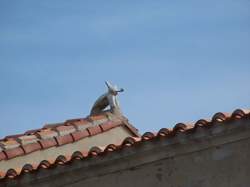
(61, 140)
(77, 155)
(46, 143)
(9, 144)
(217, 119)
(129, 141)
(12, 136)
(27, 139)
(80, 134)
(148, 135)
(94, 151)
(3, 156)
(94, 130)
(11, 173)
(239, 113)
(163, 132)
(98, 117)
(81, 124)
(27, 168)
(46, 134)
(64, 130)
(108, 125)
(44, 164)
(179, 127)
(202, 123)
(28, 148)
(110, 148)
(61, 160)
(220, 117)
(11, 153)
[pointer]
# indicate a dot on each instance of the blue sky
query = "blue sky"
(178, 61)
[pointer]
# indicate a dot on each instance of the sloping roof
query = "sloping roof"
(217, 119)
(56, 136)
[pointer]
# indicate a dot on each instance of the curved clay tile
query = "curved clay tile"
(180, 127)
(44, 164)
(110, 148)
(220, 117)
(61, 160)
(77, 155)
(239, 113)
(27, 168)
(94, 151)
(147, 136)
(11, 173)
(163, 132)
(129, 141)
(201, 123)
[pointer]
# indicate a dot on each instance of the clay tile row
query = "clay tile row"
(53, 130)
(46, 138)
(62, 159)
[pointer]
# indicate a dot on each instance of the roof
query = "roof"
(164, 133)
(50, 144)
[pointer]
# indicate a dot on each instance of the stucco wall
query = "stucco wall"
(218, 156)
